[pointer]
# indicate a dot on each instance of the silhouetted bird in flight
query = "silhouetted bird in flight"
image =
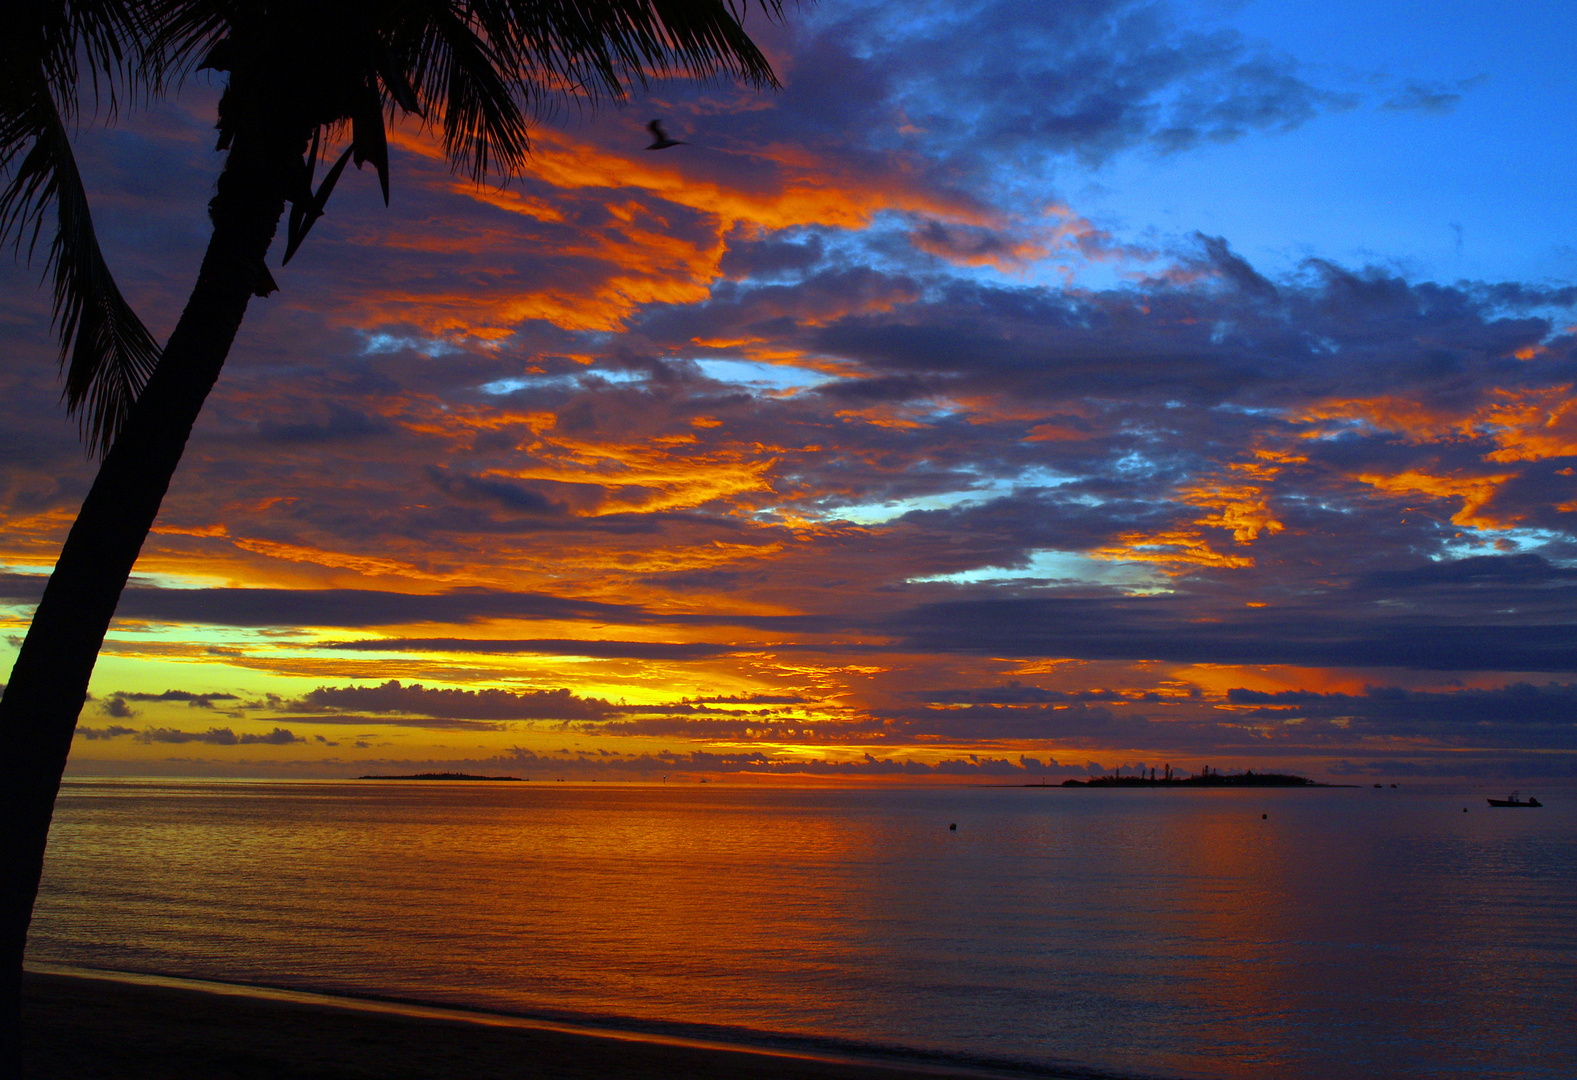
(660, 139)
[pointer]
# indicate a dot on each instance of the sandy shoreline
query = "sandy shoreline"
(106, 1026)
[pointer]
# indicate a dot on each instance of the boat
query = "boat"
(1514, 800)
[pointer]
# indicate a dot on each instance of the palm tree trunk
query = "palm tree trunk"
(48, 685)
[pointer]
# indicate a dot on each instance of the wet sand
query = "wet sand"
(88, 1028)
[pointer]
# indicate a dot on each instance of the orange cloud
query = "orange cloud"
(1522, 425)
(1410, 419)
(1532, 425)
(1245, 513)
(1475, 492)
(800, 188)
(1239, 507)
(1170, 548)
(1233, 503)
(34, 539)
(640, 258)
(647, 478)
(1055, 433)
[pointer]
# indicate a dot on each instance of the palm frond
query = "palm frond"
(84, 47)
(105, 351)
(477, 71)
(460, 72)
(603, 44)
(483, 66)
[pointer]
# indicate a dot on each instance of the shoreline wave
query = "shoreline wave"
(691, 1036)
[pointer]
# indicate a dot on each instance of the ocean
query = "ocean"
(1298, 933)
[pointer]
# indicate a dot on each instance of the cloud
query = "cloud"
(343, 423)
(1016, 693)
(934, 460)
(1085, 80)
(113, 731)
(217, 736)
(1520, 572)
(369, 608)
(1499, 767)
(752, 699)
(1235, 269)
(887, 726)
(1139, 628)
(192, 699)
(452, 704)
(608, 650)
(22, 588)
(423, 723)
(515, 498)
(1431, 97)
(1520, 714)
(115, 705)
(351, 607)
(703, 762)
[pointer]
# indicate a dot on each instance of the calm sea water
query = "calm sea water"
(1351, 933)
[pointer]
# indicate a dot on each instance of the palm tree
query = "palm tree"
(49, 54)
(301, 74)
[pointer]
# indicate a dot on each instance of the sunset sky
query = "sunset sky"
(1026, 388)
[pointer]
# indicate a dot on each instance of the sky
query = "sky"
(1022, 391)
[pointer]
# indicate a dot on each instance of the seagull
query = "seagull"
(660, 139)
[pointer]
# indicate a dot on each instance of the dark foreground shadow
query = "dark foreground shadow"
(97, 1029)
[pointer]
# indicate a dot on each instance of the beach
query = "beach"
(101, 1026)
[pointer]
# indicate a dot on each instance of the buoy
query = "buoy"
(1464, 809)
(953, 827)
(1262, 817)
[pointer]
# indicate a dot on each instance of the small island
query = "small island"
(1207, 778)
(439, 776)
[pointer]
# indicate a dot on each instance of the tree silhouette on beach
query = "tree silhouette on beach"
(305, 80)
